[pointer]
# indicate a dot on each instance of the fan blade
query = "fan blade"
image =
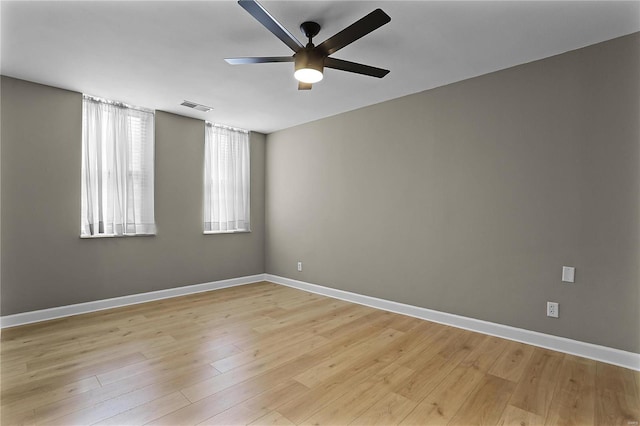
(304, 86)
(259, 60)
(256, 10)
(358, 29)
(339, 64)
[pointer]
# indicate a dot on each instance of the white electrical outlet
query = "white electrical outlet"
(299, 266)
(552, 309)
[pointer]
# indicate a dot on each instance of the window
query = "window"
(117, 169)
(226, 180)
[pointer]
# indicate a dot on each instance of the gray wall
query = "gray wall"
(470, 198)
(46, 264)
(466, 199)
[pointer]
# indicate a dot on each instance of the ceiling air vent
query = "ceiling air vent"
(196, 106)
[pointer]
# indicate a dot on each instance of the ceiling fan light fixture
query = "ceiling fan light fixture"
(308, 66)
(308, 75)
(310, 60)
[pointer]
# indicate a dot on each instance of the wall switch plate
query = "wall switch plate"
(299, 266)
(552, 309)
(568, 274)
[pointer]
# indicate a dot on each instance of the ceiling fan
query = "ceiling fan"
(310, 60)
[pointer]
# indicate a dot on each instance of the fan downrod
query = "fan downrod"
(310, 29)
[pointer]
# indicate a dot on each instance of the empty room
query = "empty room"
(320, 212)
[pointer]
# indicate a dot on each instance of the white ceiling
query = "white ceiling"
(157, 54)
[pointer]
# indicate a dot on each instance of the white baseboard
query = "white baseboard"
(561, 344)
(116, 302)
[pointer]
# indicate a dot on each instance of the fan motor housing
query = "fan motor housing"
(309, 58)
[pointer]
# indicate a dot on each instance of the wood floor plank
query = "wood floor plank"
(104, 350)
(390, 410)
(534, 392)
(188, 355)
(216, 384)
(111, 407)
(272, 419)
(10, 368)
(344, 410)
(259, 349)
(371, 319)
(211, 406)
(203, 338)
(335, 364)
(440, 405)
(414, 341)
(52, 379)
(304, 404)
(435, 342)
(486, 404)
(574, 397)
(341, 319)
(172, 379)
(228, 397)
(405, 323)
(257, 407)
(425, 379)
(371, 359)
(287, 356)
(617, 399)
(483, 356)
(318, 323)
(17, 417)
(336, 327)
(514, 416)
(362, 397)
(33, 335)
(43, 342)
(297, 299)
(513, 361)
(144, 413)
(54, 394)
(434, 369)
(292, 310)
(368, 356)
(320, 310)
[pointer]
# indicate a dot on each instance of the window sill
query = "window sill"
(226, 232)
(91, 237)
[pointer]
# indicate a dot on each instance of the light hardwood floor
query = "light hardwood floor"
(267, 354)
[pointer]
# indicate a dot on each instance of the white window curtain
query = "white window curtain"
(226, 180)
(117, 169)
